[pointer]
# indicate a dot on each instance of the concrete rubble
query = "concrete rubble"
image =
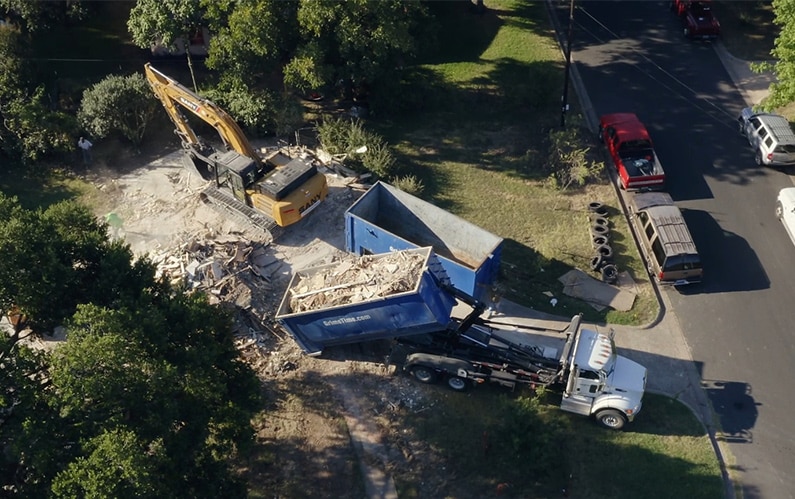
(356, 279)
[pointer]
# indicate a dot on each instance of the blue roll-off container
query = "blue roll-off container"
(386, 219)
(425, 308)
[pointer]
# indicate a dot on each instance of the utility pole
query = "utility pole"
(565, 99)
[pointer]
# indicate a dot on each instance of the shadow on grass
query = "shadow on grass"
(444, 443)
(37, 191)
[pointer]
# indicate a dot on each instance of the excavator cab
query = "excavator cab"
(236, 172)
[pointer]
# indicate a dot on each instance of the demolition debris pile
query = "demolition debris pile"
(229, 269)
(355, 280)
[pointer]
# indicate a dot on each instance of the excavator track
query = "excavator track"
(230, 206)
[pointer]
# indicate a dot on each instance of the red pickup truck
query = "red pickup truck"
(698, 20)
(632, 152)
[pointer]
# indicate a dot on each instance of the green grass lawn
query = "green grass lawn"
(665, 453)
(481, 151)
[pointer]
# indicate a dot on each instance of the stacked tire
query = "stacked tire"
(602, 260)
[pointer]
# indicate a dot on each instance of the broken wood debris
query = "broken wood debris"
(356, 279)
(211, 263)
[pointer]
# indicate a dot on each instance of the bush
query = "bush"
(347, 136)
(569, 164)
(410, 184)
(121, 104)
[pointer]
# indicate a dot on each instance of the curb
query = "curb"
(762, 81)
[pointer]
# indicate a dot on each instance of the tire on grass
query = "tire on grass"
(605, 251)
(610, 273)
(599, 230)
(597, 262)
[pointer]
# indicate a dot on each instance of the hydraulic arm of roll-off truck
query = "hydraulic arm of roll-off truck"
(271, 192)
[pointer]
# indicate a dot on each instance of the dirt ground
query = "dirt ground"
(330, 427)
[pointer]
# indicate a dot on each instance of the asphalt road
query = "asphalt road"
(632, 58)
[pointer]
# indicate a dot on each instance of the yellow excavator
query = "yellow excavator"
(270, 192)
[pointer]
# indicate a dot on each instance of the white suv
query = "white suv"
(771, 137)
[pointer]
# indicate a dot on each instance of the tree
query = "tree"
(166, 21)
(12, 67)
(123, 104)
(147, 398)
(115, 464)
(252, 38)
(360, 41)
(166, 371)
(39, 15)
(782, 91)
(318, 43)
(36, 131)
(56, 258)
(31, 130)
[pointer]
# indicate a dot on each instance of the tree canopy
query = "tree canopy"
(147, 398)
(782, 91)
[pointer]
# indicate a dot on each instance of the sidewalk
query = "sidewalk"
(753, 86)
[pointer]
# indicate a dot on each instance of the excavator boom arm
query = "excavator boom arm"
(174, 97)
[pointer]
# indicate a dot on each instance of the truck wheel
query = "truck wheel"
(457, 383)
(779, 210)
(423, 374)
(687, 32)
(611, 419)
(758, 158)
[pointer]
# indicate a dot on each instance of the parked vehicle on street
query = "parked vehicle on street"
(785, 210)
(631, 149)
(698, 19)
(665, 240)
(770, 135)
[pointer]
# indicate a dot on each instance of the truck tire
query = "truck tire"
(457, 383)
(779, 210)
(758, 158)
(611, 419)
(424, 374)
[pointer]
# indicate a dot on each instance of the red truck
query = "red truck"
(698, 20)
(632, 151)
